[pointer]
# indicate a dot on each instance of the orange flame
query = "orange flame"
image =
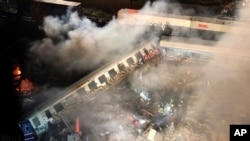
(23, 85)
(77, 125)
(16, 73)
(132, 11)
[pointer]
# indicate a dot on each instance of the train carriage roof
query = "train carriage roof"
(185, 17)
(205, 46)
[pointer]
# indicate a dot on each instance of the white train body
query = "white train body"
(173, 48)
(37, 123)
(179, 23)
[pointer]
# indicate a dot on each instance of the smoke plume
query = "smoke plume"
(225, 101)
(216, 96)
(76, 43)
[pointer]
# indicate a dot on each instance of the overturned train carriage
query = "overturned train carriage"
(169, 48)
(35, 123)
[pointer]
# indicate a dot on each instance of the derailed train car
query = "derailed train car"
(180, 25)
(198, 51)
(36, 123)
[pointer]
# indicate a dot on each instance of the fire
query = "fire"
(16, 73)
(22, 85)
(26, 86)
(77, 125)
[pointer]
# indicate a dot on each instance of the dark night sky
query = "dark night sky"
(16, 37)
(13, 35)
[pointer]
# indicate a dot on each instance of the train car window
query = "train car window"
(178, 52)
(145, 51)
(138, 56)
(92, 85)
(48, 114)
(188, 54)
(167, 30)
(81, 91)
(130, 61)
(58, 107)
(36, 121)
(70, 100)
(26, 127)
(163, 51)
(170, 52)
(112, 72)
(151, 52)
(102, 79)
(121, 67)
(156, 51)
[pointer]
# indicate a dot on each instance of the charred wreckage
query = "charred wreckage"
(155, 112)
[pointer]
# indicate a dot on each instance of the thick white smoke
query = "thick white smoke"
(219, 94)
(225, 101)
(76, 43)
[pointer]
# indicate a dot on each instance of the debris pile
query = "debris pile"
(136, 112)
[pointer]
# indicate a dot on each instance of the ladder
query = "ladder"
(67, 123)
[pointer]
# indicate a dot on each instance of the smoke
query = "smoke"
(44, 94)
(216, 96)
(76, 43)
(164, 6)
(226, 99)
(107, 116)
